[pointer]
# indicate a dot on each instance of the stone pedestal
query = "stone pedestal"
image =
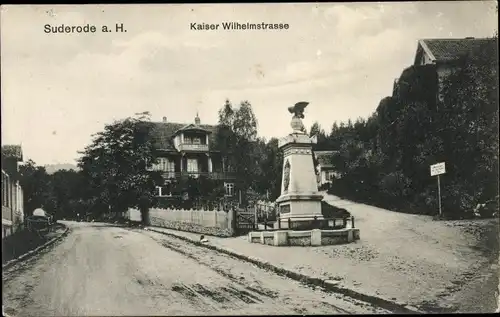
(300, 200)
(301, 222)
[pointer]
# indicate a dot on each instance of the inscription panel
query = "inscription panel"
(284, 209)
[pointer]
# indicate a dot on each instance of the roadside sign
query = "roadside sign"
(438, 169)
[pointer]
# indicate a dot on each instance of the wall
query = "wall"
(314, 237)
(12, 205)
(425, 59)
(324, 177)
(216, 223)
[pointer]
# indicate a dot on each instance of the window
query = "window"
(165, 165)
(229, 187)
(196, 141)
(331, 175)
(4, 189)
(192, 165)
(170, 165)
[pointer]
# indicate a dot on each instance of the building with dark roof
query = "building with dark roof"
(12, 193)
(327, 172)
(446, 51)
(189, 150)
(435, 59)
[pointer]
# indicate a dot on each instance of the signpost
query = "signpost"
(436, 170)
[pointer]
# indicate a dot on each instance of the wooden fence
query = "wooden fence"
(185, 219)
(204, 218)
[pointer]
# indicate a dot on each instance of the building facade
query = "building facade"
(442, 56)
(325, 169)
(188, 150)
(12, 193)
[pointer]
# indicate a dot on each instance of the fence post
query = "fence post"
(232, 213)
(215, 218)
(289, 224)
(352, 220)
(345, 222)
(279, 223)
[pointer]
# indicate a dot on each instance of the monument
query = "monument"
(301, 221)
(300, 201)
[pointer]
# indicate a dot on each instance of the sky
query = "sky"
(59, 89)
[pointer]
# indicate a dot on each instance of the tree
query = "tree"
(67, 189)
(237, 140)
(388, 155)
(226, 136)
(35, 183)
(468, 120)
(115, 166)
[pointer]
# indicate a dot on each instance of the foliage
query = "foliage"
(385, 160)
(271, 167)
(36, 186)
(238, 143)
(382, 160)
(115, 165)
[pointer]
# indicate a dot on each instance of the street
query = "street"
(101, 269)
(436, 265)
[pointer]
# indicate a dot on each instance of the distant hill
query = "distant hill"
(52, 168)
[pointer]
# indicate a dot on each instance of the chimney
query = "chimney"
(197, 119)
(164, 119)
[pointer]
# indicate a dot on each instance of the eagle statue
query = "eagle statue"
(298, 109)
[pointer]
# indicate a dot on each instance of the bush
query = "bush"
(20, 243)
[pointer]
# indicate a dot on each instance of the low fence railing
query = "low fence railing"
(323, 223)
(211, 175)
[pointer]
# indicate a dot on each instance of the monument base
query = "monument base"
(315, 237)
(300, 208)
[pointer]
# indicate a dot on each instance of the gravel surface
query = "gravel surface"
(437, 266)
(440, 266)
(107, 270)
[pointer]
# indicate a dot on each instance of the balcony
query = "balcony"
(211, 175)
(193, 147)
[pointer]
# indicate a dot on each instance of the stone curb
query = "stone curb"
(326, 284)
(34, 251)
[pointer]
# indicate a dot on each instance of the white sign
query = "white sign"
(438, 169)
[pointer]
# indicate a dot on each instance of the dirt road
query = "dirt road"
(438, 266)
(106, 270)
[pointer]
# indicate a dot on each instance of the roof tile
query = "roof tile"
(452, 49)
(165, 131)
(324, 157)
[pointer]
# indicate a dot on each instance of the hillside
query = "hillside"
(52, 168)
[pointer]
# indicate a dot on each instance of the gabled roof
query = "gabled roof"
(446, 50)
(324, 157)
(193, 127)
(164, 133)
(11, 156)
